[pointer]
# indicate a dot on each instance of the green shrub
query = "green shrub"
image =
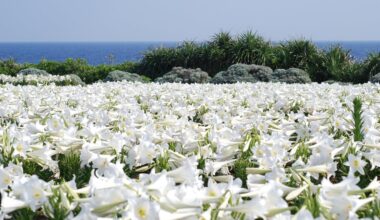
(190, 54)
(212, 56)
(302, 54)
(182, 75)
(371, 65)
(252, 49)
(69, 66)
(10, 67)
(356, 73)
(292, 75)
(219, 54)
(33, 71)
(80, 67)
(117, 75)
(127, 66)
(296, 53)
(243, 73)
(157, 62)
(337, 63)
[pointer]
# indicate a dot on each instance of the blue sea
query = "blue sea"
(104, 53)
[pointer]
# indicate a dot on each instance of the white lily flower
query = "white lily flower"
(32, 191)
(103, 163)
(9, 204)
(356, 164)
(187, 173)
(143, 209)
(303, 214)
(213, 166)
(5, 179)
(254, 208)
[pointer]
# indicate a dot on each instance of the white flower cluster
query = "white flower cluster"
(175, 151)
(36, 79)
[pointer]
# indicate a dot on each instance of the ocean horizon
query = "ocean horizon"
(96, 53)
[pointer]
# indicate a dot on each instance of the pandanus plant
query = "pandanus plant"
(301, 54)
(220, 52)
(337, 62)
(371, 65)
(251, 48)
(158, 61)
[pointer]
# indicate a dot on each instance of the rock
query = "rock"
(330, 81)
(336, 82)
(375, 78)
(243, 73)
(182, 75)
(33, 71)
(75, 80)
(117, 75)
(292, 75)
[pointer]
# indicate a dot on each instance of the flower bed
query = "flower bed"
(174, 151)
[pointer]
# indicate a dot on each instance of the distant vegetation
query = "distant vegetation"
(80, 67)
(222, 51)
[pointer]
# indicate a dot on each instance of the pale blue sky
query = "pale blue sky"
(174, 20)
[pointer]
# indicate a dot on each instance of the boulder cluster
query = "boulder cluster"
(33, 71)
(243, 73)
(375, 78)
(117, 75)
(182, 75)
(236, 73)
(292, 75)
(70, 79)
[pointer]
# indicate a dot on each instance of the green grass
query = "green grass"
(25, 214)
(69, 166)
(32, 168)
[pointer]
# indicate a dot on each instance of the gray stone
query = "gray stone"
(33, 71)
(118, 75)
(182, 75)
(336, 82)
(375, 78)
(75, 80)
(330, 81)
(243, 73)
(292, 75)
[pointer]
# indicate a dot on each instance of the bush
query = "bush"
(292, 75)
(40, 79)
(302, 54)
(75, 80)
(127, 66)
(117, 75)
(252, 49)
(33, 71)
(337, 62)
(212, 57)
(375, 78)
(356, 73)
(182, 75)
(157, 62)
(219, 53)
(371, 66)
(10, 67)
(69, 66)
(223, 51)
(243, 73)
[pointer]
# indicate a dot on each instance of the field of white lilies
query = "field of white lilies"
(176, 151)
